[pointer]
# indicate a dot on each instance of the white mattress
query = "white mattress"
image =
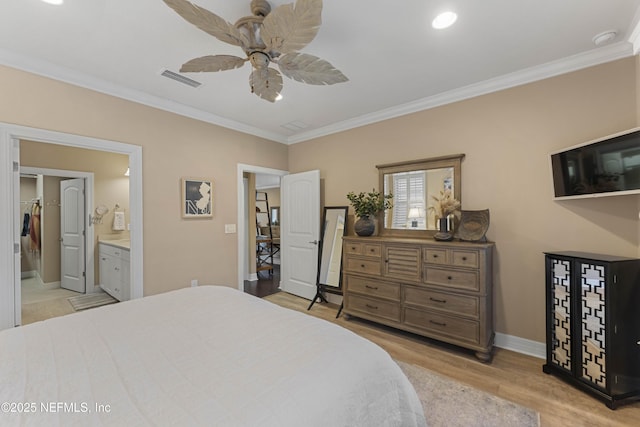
(199, 356)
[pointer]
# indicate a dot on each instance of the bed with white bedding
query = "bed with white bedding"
(209, 356)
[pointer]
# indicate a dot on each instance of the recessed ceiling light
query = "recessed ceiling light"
(56, 2)
(444, 20)
(605, 37)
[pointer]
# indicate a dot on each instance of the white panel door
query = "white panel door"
(72, 231)
(300, 232)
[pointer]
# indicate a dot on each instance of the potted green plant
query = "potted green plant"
(366, 206)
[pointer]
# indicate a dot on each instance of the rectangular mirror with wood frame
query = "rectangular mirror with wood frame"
(413, 185)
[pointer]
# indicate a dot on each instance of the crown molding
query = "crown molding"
(566, 65)
(634, 38)
(573, 63)
(52, 71)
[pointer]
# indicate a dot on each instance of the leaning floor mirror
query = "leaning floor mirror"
(329, 278)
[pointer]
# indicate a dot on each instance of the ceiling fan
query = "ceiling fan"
(266, 37)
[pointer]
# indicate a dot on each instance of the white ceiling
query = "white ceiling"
(396, 63)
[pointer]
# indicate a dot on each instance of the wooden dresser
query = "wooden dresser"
(441, 290)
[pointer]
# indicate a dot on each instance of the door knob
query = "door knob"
(315, 242)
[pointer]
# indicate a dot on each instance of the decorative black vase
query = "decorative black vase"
(365, 226)
(443, 234)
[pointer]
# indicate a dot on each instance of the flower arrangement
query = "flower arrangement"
(369, 204)
(445, 205)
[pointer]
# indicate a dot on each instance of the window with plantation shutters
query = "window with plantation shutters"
(408, 196)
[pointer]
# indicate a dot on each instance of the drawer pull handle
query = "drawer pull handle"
(437, 323)
(375, 288)
(372, 250)
(449, 278)
(464, 258)
(362, 265)
(373, 307)
(353, 248)
(435, 255)
(443, 301)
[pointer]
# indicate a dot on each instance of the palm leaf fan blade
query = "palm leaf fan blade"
(208, 22)
(212, 63)
(288, 28)
(310, 69)
(266, 83)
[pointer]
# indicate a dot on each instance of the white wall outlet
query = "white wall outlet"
(194, 283)
(229, 228)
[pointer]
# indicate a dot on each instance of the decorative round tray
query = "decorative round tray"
(473, 225)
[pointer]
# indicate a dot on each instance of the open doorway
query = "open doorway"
(11, 218)
(266, 279)
(56, 264)
(251, 226)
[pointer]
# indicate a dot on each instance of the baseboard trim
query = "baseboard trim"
(28, 274)
(521, 345)
(52, 285)
(253, 277)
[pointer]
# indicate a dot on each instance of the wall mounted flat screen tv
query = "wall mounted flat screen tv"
(605, 167)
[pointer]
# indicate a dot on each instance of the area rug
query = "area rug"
(450, 403)
(83, 302)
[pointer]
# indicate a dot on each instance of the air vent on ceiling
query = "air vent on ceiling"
(180, 78)
(295, 125)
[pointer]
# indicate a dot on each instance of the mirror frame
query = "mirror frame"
(327, 287)
(452, 161)
(322, 288)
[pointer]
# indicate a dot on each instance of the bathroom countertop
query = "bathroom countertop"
(119, 243)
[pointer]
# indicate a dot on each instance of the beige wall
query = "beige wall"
(176, 250)
(507, 137)
(50, 225)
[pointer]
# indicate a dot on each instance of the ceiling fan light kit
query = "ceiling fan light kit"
(267, 37)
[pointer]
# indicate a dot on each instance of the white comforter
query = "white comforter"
(200, 356)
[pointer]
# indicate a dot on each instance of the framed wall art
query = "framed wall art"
(197, 198)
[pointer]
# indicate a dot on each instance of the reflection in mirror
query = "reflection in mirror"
(275, 215)
(414, 184)
(329, 279)
(412, 199)
(329, 269)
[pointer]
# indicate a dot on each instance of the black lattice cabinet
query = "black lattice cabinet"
(593, 323)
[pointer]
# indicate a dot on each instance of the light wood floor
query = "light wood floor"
(512, 376)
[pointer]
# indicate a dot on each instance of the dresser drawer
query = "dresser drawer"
(361, 265)
(365, 249)
(373, 307)
(435, 256)
(460, 329)
(456, 304)
(453, 278)
(373, 288)
(464, 258)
